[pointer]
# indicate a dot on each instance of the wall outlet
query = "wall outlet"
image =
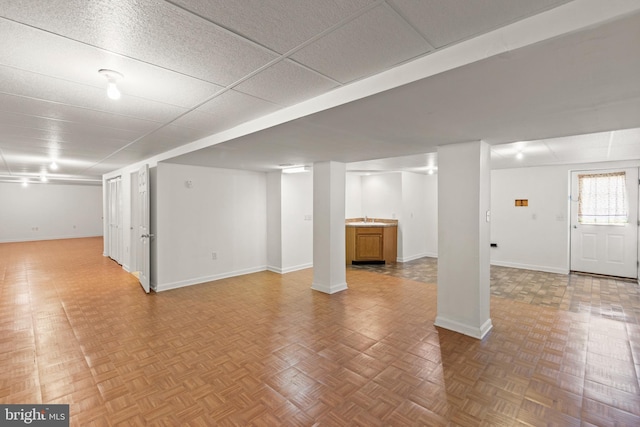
(214, 255)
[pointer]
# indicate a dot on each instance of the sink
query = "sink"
(367, 224)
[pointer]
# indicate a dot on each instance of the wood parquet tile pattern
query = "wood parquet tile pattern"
(265, 350)
(600, 295)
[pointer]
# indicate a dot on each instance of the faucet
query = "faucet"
(365, 218)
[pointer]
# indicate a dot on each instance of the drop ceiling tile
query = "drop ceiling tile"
(154, 32)
(24, 160)
(38, 86)
(375, 41)
(566, 146)
(53, 139)
(286, 83)
(443, 22)
(69, 60)
(626, 137)
(56, 111)
(280, 25)
(226, 111)
(58, 129)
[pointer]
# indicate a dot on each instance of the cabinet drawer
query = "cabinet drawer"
(369, 230)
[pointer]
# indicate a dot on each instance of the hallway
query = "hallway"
(264, 349)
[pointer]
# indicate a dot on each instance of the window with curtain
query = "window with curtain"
(602, 198)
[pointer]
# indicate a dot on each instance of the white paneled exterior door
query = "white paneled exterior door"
(602, 247)
(144, 251)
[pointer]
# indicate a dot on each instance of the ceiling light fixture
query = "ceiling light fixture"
(43, 178)
(112, 77)
(519, 155)
(25, 182)
(296, 169)
(53, 166)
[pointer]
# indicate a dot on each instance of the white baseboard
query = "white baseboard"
(329, 289)
(418, 256)
(205, 279)
(462, 328)
(289, 269)
(41, 238)
(546, 269)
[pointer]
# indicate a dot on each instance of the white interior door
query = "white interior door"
(144, 249)
(605, 241)
(133, 226)
(115, 219)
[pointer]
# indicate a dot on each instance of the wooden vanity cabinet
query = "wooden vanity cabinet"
(371, 244)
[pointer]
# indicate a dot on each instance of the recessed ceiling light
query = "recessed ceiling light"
(53, 166)
(112, 77)
(25, 182)
(519, 155)
(43, 178)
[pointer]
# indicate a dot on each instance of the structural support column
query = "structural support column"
(464, 185)
(329, 268)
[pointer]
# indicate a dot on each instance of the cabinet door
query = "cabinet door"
(369, 247)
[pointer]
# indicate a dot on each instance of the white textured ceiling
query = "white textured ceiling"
(194, 68)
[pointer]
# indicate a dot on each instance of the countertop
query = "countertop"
(370, 224)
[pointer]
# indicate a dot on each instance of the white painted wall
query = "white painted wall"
(225, 211)
(353, 196)
(382, 195)
(431, 215)
(297, 221)
(412, 221)
(274, 221)
(49, 211)
(410, 198)
(289, 221)
(535, 237)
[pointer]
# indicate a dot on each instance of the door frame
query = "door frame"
(570, 207)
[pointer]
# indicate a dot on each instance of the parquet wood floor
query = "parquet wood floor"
(265, 350)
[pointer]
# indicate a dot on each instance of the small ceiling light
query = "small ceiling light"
(430, 172)
(112, 77)
(43, 178)
(296, 169)
(53, 166)
(25, 182)
(519, 155)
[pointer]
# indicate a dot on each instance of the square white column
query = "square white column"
(329, 268)
(464, 185)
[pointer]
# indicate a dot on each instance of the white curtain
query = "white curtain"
(602, 198)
